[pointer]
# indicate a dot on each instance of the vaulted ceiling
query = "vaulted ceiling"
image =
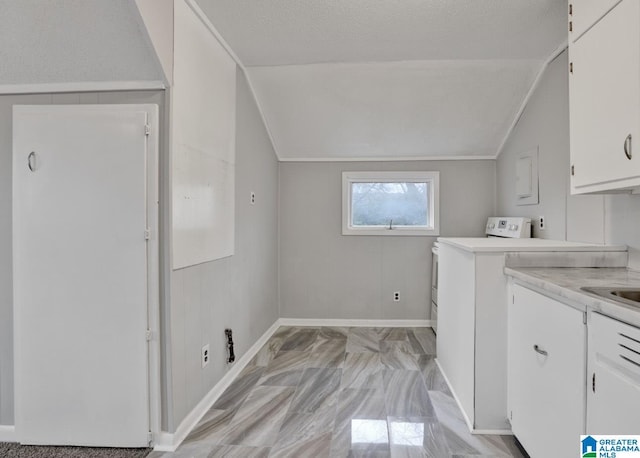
(334, 79)
(380, 79)
(71, 41)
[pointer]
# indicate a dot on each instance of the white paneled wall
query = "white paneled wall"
(240, 291)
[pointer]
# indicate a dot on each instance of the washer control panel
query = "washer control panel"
(512, 227)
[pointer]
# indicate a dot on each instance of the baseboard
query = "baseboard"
(169, 442)
(356, 323)
(8, 433)
(467, 420)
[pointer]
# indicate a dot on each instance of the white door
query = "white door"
(80, 274)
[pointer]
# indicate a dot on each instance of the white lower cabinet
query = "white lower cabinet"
(613, 394)
(546, 373)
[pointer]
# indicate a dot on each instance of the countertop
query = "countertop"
(497, 244)
(566, 283)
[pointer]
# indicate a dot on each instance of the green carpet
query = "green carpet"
(11, 450)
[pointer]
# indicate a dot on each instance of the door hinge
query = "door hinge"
(149, 335)
(570, 26)
(570, 9)
(593, 382)
(147, 234)
(570, 67)
(584, 317)
(150, 438)
(573, 170)
(147, 129)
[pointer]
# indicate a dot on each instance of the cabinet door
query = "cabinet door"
(546, 385)
(584, 13)
(604, 92)
(613, 397)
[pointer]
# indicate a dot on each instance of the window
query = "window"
(390, 203)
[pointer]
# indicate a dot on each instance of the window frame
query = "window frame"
(433, 182)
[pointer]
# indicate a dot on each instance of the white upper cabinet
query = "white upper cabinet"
(604, 99)
(584, 13)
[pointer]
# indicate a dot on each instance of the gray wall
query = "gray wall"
(545, 125)
(622, 224)
(6, 278)
(239, 292)
(324, 274)
(612, 219)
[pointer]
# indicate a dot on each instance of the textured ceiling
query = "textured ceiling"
(377, 111)
(285, 32)
(389, 79)
(70, 41)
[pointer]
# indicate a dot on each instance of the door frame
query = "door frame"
(153, 254)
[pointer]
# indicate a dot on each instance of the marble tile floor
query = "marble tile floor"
(340, 392)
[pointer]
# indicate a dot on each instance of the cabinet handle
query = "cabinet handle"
(627, 147)
(31, 161)
(539, 350)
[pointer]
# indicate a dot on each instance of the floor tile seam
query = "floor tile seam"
(424, 379)
(241, 401)
(444, 442)
(221, 432)
(330, 430)
(336, 393)
(293, 396)
(387, 394)
(289, 400)
(287, 368)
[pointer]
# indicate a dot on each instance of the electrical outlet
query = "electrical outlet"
(542, 223)
(253, 198)
(396, 296)
(205, 356)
